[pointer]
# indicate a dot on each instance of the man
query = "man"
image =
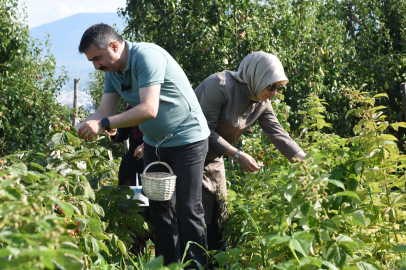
(175, 130)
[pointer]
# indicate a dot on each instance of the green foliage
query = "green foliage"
(63, 208)
(341, 208)
(324, 45)
(28, 84)
(95, 87)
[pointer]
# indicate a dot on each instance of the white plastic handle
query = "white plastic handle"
(158, 162)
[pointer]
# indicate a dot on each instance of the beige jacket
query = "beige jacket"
(229, 113)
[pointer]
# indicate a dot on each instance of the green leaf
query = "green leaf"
(34, 165)
(381, 95)
(359, 217)
(59, 139)
(300, 245)
(349, 193)
(346, 249)
(114, 241)
(336, 255)
(94, 226)
(66, 207)
(277, 239)
(329, 225)
(337, 183)
(398, 124)
(95, 246)
(122, 247)
(311, 153)
(358, 166)
(156, 264)
(305, 208)
(289, 265)
(81, 190)
(399, 248)
(221, 258)
(387, 137)
(67, 261)
(98, 210)
(18, 169)
(87, 245)
(8, 182)
(310, 261)
(367, 266)
(290, 191)
(103, 247)
(329, 265)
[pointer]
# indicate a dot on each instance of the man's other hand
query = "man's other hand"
(90, 129)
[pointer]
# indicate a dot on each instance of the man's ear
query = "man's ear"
(114, 46)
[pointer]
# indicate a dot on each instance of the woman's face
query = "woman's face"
(265, 94)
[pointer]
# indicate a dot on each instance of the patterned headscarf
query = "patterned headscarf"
(258, 70)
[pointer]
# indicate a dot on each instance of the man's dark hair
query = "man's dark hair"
(100, 35)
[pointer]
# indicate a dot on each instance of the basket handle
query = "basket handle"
(158, 162)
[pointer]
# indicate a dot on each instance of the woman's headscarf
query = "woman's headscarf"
(258, 70)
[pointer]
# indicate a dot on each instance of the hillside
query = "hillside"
(65, 37)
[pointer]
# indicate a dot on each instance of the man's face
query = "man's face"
(103, 59)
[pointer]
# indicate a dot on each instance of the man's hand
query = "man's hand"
(139, 151)
(247, 163)
(90, 129)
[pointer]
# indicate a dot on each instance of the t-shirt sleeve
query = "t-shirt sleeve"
(150, 67)
(108, 86)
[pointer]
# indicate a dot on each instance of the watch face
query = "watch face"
(105, 123)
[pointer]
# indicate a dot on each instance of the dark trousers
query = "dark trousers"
(181, 219)
(215, 238)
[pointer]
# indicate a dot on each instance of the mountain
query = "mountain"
(65, 35)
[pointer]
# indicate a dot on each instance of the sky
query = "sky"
(41, 12)
(45, 11)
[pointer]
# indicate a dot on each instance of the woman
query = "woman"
(232, 102)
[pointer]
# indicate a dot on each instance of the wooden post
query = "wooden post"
(403, 89)
(75, 100)
(302, 117)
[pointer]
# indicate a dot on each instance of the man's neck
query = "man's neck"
(124, 57)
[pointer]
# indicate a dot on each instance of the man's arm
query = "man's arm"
(147, 109)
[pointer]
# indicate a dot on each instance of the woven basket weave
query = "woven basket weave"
(158, 186)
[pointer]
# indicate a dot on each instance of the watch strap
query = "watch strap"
(236, 157)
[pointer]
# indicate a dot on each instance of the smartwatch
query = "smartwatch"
(236, 157)
(105, 122)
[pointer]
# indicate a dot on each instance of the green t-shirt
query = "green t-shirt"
(149, 64)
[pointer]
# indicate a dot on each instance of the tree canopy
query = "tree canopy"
(325, 46)
(28, 84)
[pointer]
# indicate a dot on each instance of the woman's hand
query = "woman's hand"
(247, 163)
(299, 155)
(139, 151)
(110, 133)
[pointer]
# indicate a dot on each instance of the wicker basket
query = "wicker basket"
(158, 186)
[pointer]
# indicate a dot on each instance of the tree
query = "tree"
(28, 84)
(95, 87)
(325, 46)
